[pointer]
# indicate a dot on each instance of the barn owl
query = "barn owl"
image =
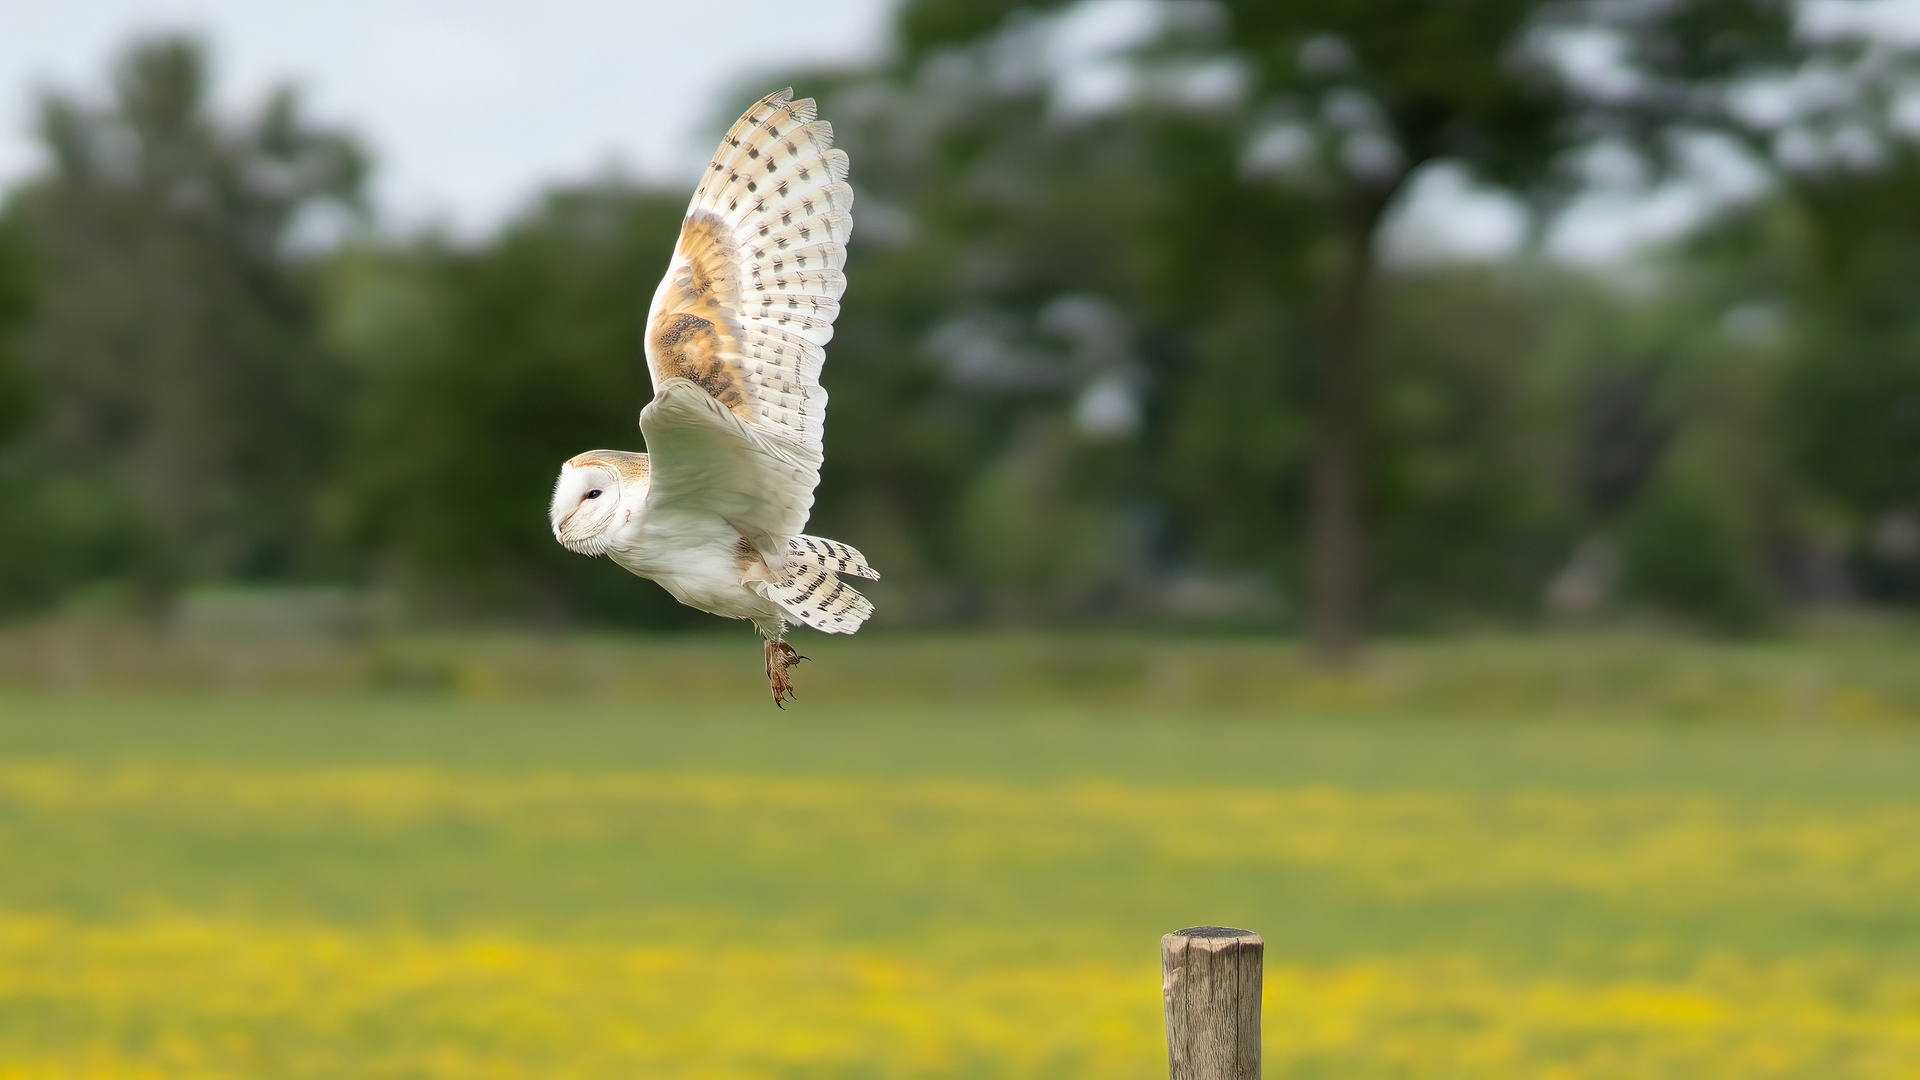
(734, 343)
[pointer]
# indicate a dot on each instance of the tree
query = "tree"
(1371, 92)
(481, 370)
(173, 342)
(16, 305)
(1349, 99)
(1849, 402)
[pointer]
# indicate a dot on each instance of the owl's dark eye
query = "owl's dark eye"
(594, 494)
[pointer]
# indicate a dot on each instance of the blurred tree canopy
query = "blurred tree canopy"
(478, 372)
(1856, 381)
(1128, 354)
(181, 420)
(1851, 393)
(1348, 100)
(16, 306)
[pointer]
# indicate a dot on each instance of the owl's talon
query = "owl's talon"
(780, 657)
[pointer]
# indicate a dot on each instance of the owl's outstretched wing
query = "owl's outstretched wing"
(706, 461)
(747, 306)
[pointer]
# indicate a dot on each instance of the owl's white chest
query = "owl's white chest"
(698, 562)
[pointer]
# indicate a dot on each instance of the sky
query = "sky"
(469, 106)
(473, 106)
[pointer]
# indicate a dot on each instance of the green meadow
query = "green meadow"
(505, 857)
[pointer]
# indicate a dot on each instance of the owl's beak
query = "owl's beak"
(594, 545)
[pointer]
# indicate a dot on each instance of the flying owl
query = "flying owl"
(714, 511)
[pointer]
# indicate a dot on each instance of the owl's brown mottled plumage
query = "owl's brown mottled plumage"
(762, 247)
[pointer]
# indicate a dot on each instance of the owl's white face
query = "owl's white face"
(596, 494)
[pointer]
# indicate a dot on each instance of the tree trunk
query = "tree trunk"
(1336, 512)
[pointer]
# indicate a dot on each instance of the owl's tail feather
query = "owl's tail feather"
(818, 598)
(829, 555)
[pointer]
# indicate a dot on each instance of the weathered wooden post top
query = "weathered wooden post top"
(1210, 977)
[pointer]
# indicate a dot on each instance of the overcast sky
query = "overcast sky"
(472, 106)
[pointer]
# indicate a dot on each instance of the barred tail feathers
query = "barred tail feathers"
(817, 598)
(829, 555)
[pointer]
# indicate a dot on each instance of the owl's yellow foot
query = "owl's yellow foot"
(780, 657)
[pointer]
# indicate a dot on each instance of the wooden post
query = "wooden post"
(1210, 977)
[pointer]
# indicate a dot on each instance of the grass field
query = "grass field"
(485, 858)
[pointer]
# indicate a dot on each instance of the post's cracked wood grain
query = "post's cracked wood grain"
(1210, 979)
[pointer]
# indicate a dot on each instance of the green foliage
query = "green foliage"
(1826, 269)
(482, 371)
(1471, 442)
(1047, 263)
(1851, 401)
(1078, 361)
(1032, 542)
(1041, 264)
(172, 344)
(1443, 74)
(1854, 411)
(17, 392)
(1687, 549)
(925, 25)
(64, 534)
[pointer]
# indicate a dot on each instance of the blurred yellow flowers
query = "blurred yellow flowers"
(189, 969)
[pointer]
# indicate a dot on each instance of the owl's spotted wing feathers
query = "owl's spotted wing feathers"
(735, 341)
(748, 303)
